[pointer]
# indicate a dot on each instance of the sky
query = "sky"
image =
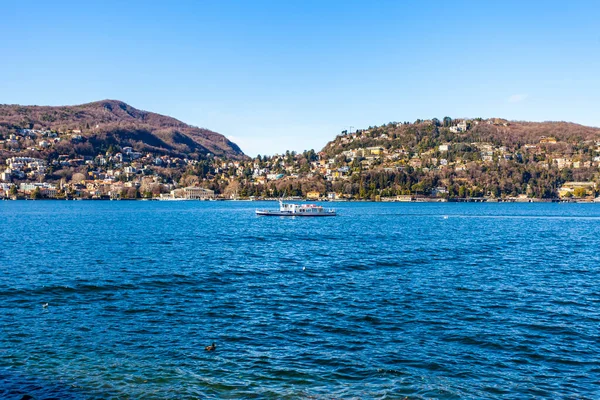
(291, 75)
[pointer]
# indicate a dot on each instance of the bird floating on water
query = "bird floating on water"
(45, 305)
(212, 347)
(303, 268)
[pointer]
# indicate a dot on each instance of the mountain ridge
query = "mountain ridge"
(114, 122)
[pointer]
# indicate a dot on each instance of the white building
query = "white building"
(460, 127)
(6, 175)
(193, 193)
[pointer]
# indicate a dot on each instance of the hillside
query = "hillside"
(464, 158)
(111, 122)
(426, 135)
(454, 160)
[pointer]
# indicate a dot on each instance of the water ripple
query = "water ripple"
(385, 301)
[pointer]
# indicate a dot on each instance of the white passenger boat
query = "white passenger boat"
(297, 210)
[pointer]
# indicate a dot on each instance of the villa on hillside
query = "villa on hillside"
(313, 195)
(569, 188)
(191, 193)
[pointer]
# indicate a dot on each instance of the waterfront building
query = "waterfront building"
(192, 193)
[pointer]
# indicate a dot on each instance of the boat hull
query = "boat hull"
(268, 213)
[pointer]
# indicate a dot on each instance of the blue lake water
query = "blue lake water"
(442, 301)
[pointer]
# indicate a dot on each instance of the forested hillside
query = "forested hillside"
(99, 125)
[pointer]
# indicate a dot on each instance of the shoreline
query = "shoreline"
(384, 200)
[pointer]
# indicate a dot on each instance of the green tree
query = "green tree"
(579, 192)
(36, 194)
(495, 190)
(13, 190)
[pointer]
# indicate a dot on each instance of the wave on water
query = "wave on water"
(387, 301)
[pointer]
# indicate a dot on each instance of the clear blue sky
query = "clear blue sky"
(277, 75)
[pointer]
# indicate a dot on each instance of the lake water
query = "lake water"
(442, 301)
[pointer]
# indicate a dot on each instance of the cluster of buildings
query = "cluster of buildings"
(122, 173)
(24, 168)
(107, 188)
(36, 139)
(127, 173)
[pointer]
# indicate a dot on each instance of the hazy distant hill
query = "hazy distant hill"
(112, 122)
